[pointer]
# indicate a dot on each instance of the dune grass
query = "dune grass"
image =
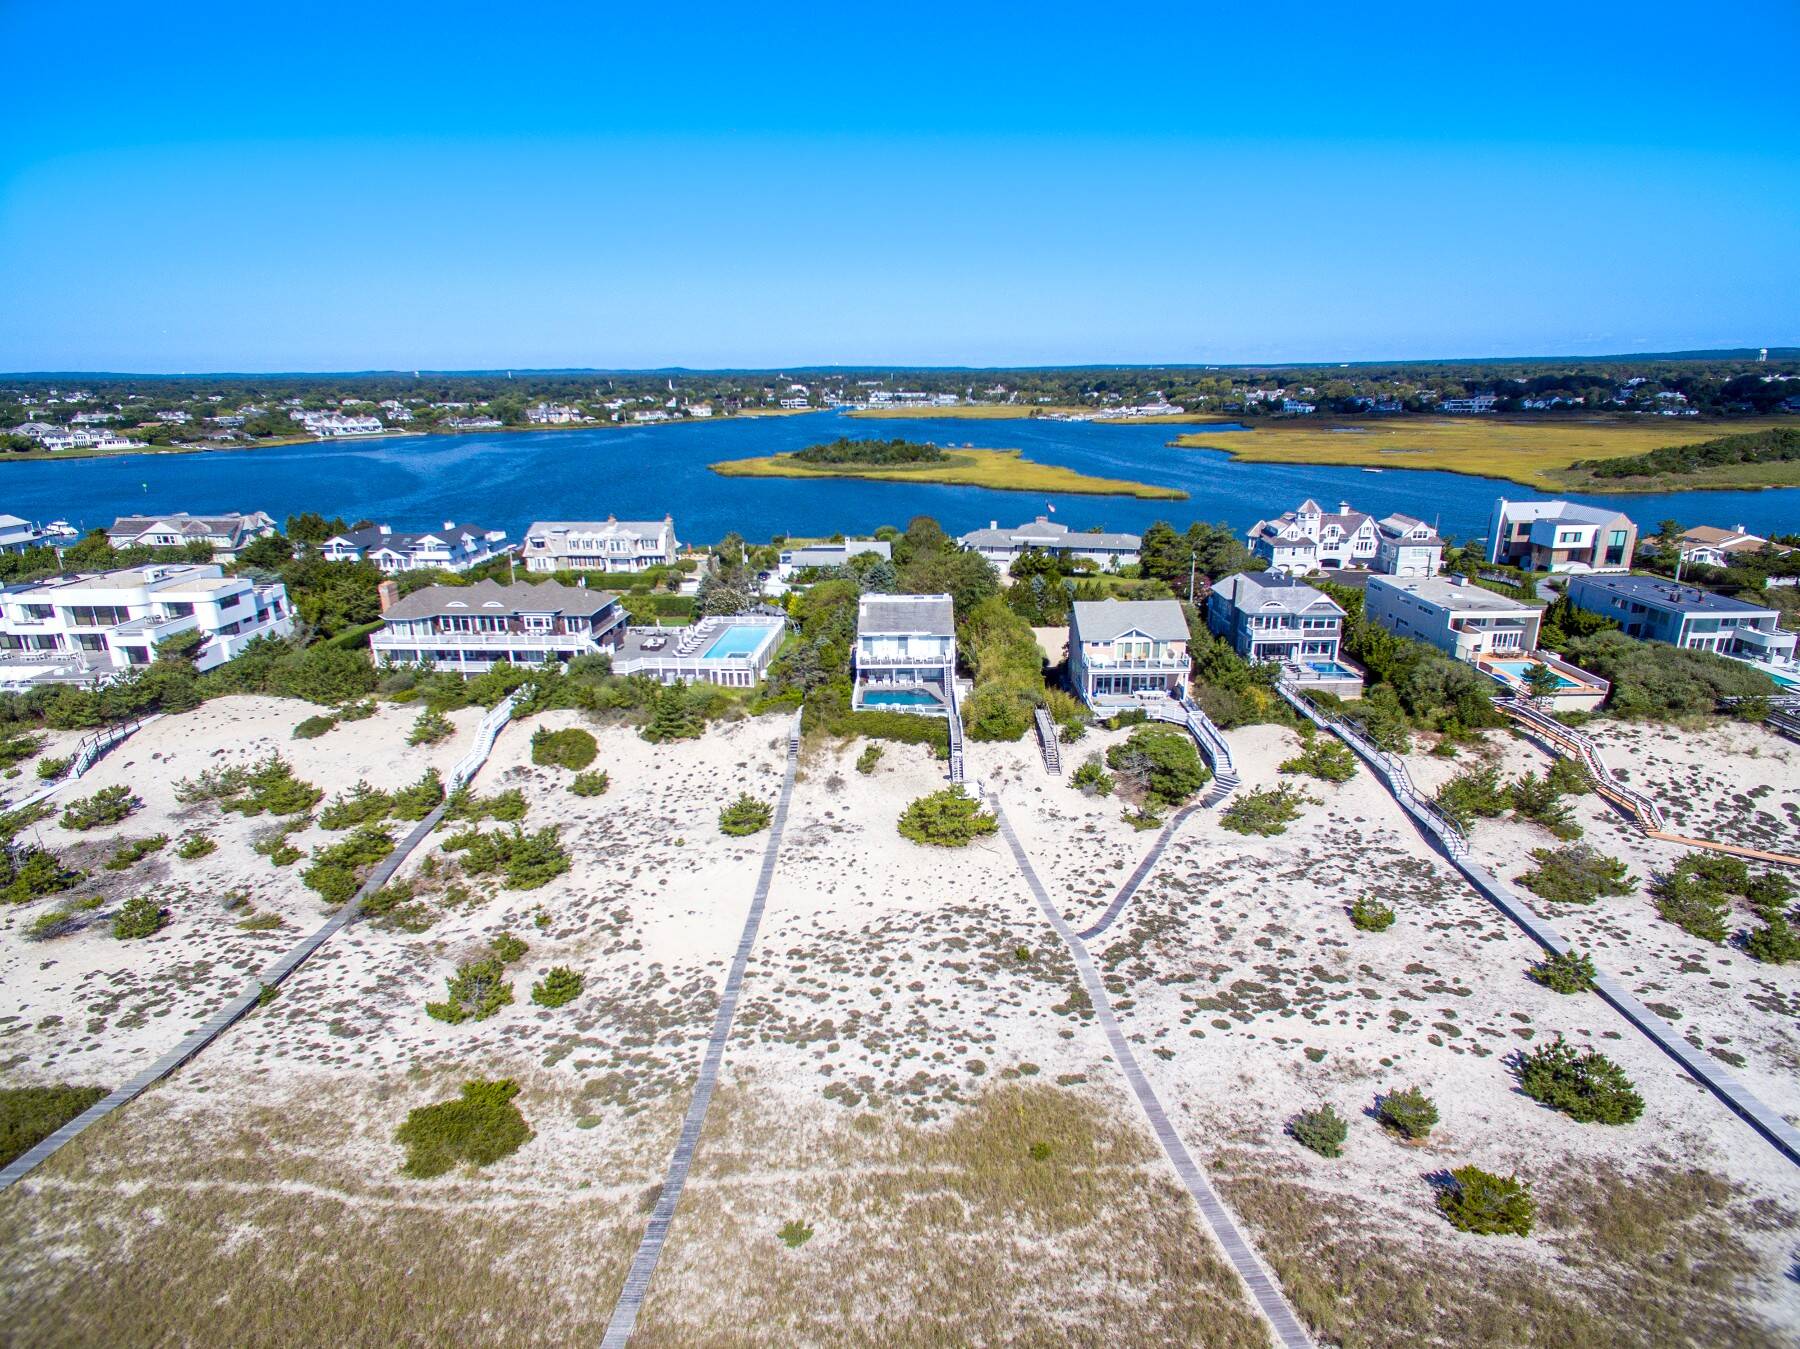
(1001, 470)
(1537, 453)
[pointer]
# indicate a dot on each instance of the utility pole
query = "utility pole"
(1193, 558)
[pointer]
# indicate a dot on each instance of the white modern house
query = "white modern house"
(1655, 610)
(228, 534)
(469, 629)
(1271, 616)
(905, 656)
(1002, 547)
(732, 651)
(17, 535)
(453, 548)
(1122, 652)
(1405, 546)
(1314, 539)
(88, 626)
(1560, 536)
(328, 425)
(600, 545)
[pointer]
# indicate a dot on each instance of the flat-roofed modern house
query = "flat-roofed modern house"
(1002, 547)
(1405, 546)
(905, 657)
(807, 556)
(1313, 539)
(469, 628)
(1126, 651)
(88, 626)
(1560, 536)
(733, 651)
(1270, 616)
(17, 535)
(1459, 619)
(1713, 547)
(1656, 610)
(228, 534)
(600, 545)
(453, 548)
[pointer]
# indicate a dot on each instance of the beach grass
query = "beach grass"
(1001, 470)
(1537, 453)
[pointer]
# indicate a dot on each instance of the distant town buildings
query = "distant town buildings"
(228, 534)
(553, 414)
(600, 545)
(1560, 536)
(1002, 547)
(453, 548)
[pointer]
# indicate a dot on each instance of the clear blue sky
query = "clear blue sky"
(211, 186)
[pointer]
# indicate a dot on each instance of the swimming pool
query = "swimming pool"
(1519, 669)
(898, 698)
(1784, 681)
(1330, 669)
(737, 640)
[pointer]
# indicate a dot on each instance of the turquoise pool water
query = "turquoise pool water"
(898, 698)
(1784, 681)
(1330, 669)
(1518, 669)
(737, 641)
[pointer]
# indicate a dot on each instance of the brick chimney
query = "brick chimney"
(389, 594)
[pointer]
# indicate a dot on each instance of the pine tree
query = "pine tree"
(672, 719)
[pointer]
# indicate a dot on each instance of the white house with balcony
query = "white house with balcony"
(17, 535)
(1314, 539)
(1407, 546)
(469, 629)
(453, 548)
(96, 625)
(1123, 652)
(1002, 547)
(905, 655)
(806, 557)
(600, 545)
(1270, 616)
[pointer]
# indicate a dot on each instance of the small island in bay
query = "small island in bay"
(915, 461)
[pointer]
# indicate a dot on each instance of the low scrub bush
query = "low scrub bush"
(1770, 894)
(139, 917)
(63, 921)
(127, 855)
(1775, 942)
(1474, 793)
(507, 807)
(507, 948)
(50, 769)
(1540, 801)
(394, 908)
(337, 871)
(795, 1233)
(525, 861)
(1584, 1084)
(478, 1128)
(1480, 1202)
(1570, 972)
(571, 748)
(195, 846)
(32, 873)
(107, 806)
(1409, 1112)
(1327, 759)
(1694, 904)
(1266, 812)
(29, 1115)
(278, 848)
(1161, 761)
(477, 990)
(1141, 820)
(362, 804)
(560, 985)
(866, 761)
(266, 787)
(1091, 779)
(745, 816)
(314, 727)
(1321, 1129)
(1371, 915)
(1577, 874)
(430, 728)
(418, 800)
(947, 819)
(589, 784)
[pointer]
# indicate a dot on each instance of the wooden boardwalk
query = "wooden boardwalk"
(1137, 877)
(643, 1263)
(1264, 1290)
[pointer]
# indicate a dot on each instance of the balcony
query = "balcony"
(922, 658)
(1154, 665)
(523, 641)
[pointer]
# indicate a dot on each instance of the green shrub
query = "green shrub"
(361, 711)
(1693, 903)
(1538, 800)
(16, 748)
(196, 846)
(571, 748)
(1141, 820)
(268, 786)
(947, 819)
(508, 806)
(1162, 762)
(1265, 812)
(62, 921)
(393, 907)
(1569, 777)
(1584, 1084)
(1770, 894)
(795, 1234)
(50, 769)
(12, 821)
(277, 848)
(507, 948)
(590, 784)
(29, 1115)
(1409, 1112)
(1369, 915)
(109, 805)
(561, 985)
(1091, 778)
(479, 1128)
(362, 804)
(1326, 759)
(1480, 1202)
(476, 991)
(1571, 972)
(1474, 793)
(139, 917)
(1775, 942)
(745, 816)
(866, 761)
(1321, 1129)
(672, 718)
(31, 873)
(420, 799)
(430, 728)
(998, 711)
(337, 871)
(1719, 870)
(127, 855)
(314, 727)
(527, 861)
(1576, 875)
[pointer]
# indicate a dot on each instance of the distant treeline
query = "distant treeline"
(1778, 445)
(875, 453)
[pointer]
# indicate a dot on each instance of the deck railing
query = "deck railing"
(1579, 746)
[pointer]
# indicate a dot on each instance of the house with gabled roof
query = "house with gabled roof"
(1407, 546)
(905, 654)
(453, 548)
(1270, 616)
(228, 534)
(471, 628)
(611, 544)
(1002, 547)
(1314, 539)
(1125, 651)
(1560, 536)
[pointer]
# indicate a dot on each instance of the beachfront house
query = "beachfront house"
(469, 628)
(1405, 546)
(453, 548)
(808, 556)
(1313, 539)
(1560, 536)
(1271, 616)
(94, 625)
(228, 534)
(1002, 547)
(600, 545)
(1124, 651)
(905, 656)
(1710, 546)
(1656, 610)
(733, 651)
(17, 535)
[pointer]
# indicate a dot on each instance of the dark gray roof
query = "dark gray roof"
(371, 536)
(490, 597)
(1653, 590)
(1103, 620)
(1270, 591)
(928, 615)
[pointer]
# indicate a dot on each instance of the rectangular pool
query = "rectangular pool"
(898, 698)
(1518, 669)
(1330, 669)
(738, 640)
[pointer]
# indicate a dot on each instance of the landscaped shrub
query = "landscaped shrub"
(1576, 875)
(29, 1115)
(526, 861)
(1570, 972)
(1409, 1112)
(430, 728)
(196, 846)
(1327, 759)
(477, 990)
(590, 784)
(337, 871)
(571, 748)
(362, 804)
(129, 854)
(1160, 761)
(947, 819)
(314, 727)
(1371, 915)
(139, 917)
(50, 769)
(1265, 812)
(1479, 1201)
(109, 805)
(1091, 779)
(1584, 1084)
(479, 1128)
(745, 816)
(417, 801)
(1474, 793)
(1321, 1129)
(560, 985)
(866, 761)
(31, 873)
(1775, 942)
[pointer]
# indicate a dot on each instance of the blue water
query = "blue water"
(1331, 669)
(900, 698)
(1784, 681)
(1518, 669)
(739, 641)
(506, 481)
